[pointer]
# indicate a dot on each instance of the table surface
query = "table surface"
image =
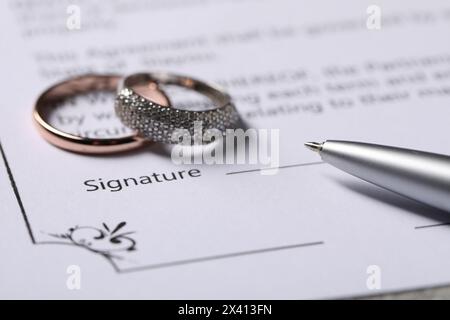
(435, 293)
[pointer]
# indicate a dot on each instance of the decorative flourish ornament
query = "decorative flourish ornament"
(108, 242)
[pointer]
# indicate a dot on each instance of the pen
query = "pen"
(418, 175)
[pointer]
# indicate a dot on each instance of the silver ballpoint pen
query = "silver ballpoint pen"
(418, 175)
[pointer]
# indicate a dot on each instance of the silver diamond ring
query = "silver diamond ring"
(158, 122)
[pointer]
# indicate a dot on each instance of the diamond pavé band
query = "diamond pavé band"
(158, 122)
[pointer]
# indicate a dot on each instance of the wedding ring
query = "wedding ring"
(60, 92)
(158, 122)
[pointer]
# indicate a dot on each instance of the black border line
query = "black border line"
(433, 225)
(222, 256)
(157, 265)
(16, 193)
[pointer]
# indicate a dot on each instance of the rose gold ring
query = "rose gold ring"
(77, 86)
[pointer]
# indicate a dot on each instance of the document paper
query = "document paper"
(314, 70)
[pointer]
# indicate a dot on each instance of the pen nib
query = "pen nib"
(314, 146)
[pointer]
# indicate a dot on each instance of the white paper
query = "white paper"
(313, 70)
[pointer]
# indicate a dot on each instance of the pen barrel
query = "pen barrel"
(422, 176)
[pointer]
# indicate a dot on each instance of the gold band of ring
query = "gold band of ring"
(72, 87)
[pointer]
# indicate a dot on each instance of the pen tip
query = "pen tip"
(314, 146)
